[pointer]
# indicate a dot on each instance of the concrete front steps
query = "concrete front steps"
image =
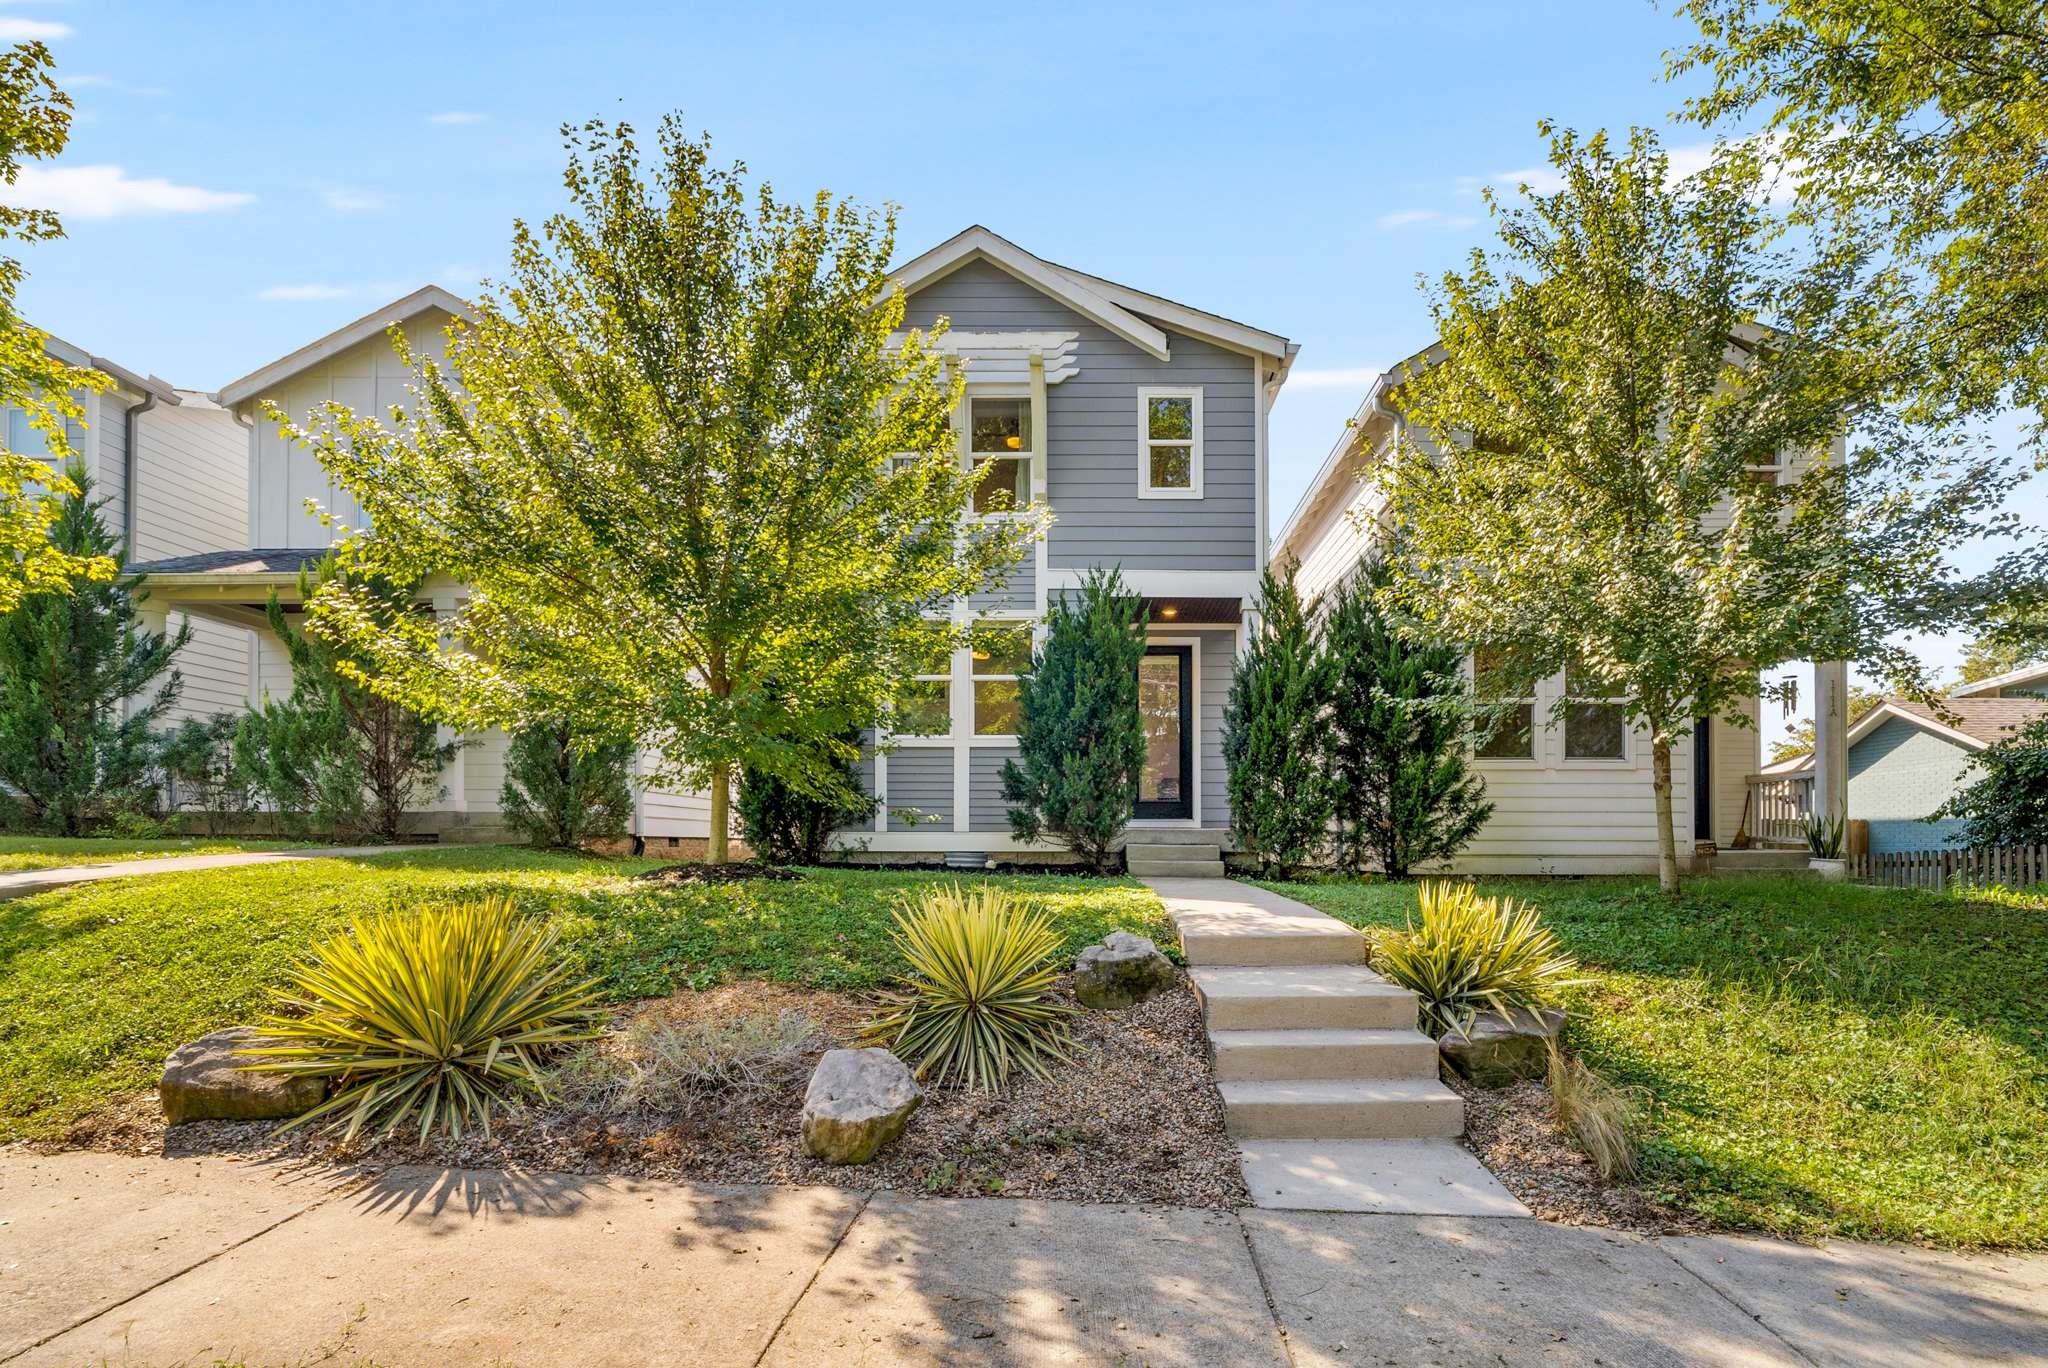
(1329, 1089)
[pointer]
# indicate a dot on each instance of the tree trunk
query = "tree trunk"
(715, 846)
(1667, 842)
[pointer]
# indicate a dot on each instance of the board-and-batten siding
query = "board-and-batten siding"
(1092, 437)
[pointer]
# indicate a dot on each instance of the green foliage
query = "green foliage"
(35, 123)
(1920, 124)
(1470, 954)
(198, 760)
(788, 825)
(661, 456)
(977, 998)
(1274, 733)
(2011, 633)
(1799, 741)
(1399, 738)
(440, 1013)
(2007, 804)
(1612, 356)
(565, 792)
(69, 756)
(337, 753)
(1826, 836)
(1080, 740)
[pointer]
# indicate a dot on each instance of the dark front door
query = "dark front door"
(1165, 705)
(1703, 779)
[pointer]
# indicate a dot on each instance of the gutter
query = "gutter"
(131, 464)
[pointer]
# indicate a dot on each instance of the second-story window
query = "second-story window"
(1000, 437)
(1170, 449)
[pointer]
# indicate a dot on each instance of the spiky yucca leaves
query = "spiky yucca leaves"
(975, 1001)
(1471, 954)
(438, 1012)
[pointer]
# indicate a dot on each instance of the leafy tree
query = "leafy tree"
(1080, 740)
(35, 122)
(338, 752)
(199, 759)
(1609, 516)
(1924, 125)
(2008, 805)
(661, 459)
(2011, 632)
(1399, 738)
(72, 745)
(785, 825)
(1274, 733)
(565, 794)
(1799, 741)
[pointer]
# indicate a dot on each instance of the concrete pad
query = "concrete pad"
(432, 1267)
(1455, 1290)
(1414, 1177)
(995, 1282)
(81, 1232)
(1881, 1304)
(1225, 922)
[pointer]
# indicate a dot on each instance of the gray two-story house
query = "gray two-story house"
(1141, 423)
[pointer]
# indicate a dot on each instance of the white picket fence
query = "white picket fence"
(2007, 866)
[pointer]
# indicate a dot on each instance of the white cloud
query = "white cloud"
(1683, 162)
(1353, 377)
(303, 294)
(457, 116)
(354, 199)
(107, 191)
(1541, 180)
(25, 30)
(1424, 218)
(91, 81)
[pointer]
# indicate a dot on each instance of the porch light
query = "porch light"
(1169, 611)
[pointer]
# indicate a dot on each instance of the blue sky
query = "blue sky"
(241, 179)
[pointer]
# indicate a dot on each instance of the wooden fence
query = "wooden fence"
(2009, 866)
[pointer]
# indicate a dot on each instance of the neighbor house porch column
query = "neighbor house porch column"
(1831, 739)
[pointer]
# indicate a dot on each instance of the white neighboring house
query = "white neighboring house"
(1574, 796)
(263, 535)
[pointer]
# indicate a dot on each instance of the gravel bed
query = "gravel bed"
(1133, 1117)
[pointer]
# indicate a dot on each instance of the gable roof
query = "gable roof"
(371, 324)
(1130, 314)
(2025, 674)
(1971, 722)
(72, 354)
(1331, 474)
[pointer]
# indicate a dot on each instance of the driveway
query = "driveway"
(151, 1261)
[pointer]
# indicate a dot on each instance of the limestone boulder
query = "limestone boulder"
(857, 1102)
(1500, 1048)
(208, 1081)
(1123, 971)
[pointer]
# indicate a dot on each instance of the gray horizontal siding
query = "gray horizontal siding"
(1092, 437)
(1016, 593)
(922, 779)
(865, 773)
(986, 808)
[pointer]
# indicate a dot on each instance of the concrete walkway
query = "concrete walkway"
(110, 1260)
(21, 883)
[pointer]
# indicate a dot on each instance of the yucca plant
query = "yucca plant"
(1470, 954)
(976, 1000)
(440, 1013)
(1825, 836)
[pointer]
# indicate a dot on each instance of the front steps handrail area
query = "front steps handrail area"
(1330, 1091)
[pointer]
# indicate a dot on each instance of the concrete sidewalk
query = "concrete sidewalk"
(150, 1261)
(20, 883)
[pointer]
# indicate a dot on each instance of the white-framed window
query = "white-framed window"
(1595, 718)
(999, 436)
(904, 460)
(999, 658)
(1511, 699)
(924, 705)
(1169, 443)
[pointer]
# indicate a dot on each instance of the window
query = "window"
(1000, 437)
(924, 705)
(1595, 721)
(904, 460)
(1001, 652)
(1170, 452)
(1511, 695)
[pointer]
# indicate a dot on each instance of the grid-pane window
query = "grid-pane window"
(1508, 723)
(1001, 441)
(924, 705)
(1000, 654)
(1595, 721)
(1170, 449)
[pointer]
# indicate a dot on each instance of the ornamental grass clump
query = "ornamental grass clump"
(977, 999)
(1470, 954)
(440, 1013)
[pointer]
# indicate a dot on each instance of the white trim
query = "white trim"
(1263, 397)
(1209, 327)
(2025, 674)
(1194, 819)
(1233, 584)
(979, 244)
(371, 324)
(1146, 441)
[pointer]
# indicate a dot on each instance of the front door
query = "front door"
(1165, 703)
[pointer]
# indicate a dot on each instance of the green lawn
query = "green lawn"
(97, 983)
(58, 852)
(1817, 1059)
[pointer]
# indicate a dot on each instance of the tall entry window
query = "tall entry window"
(1165, 700)
(1000, 438)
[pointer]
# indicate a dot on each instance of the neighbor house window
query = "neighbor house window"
(1001, 653)
(1509, 696)
(1170, 452)
(1595, 720)
(924, 707)
(1000, 439)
